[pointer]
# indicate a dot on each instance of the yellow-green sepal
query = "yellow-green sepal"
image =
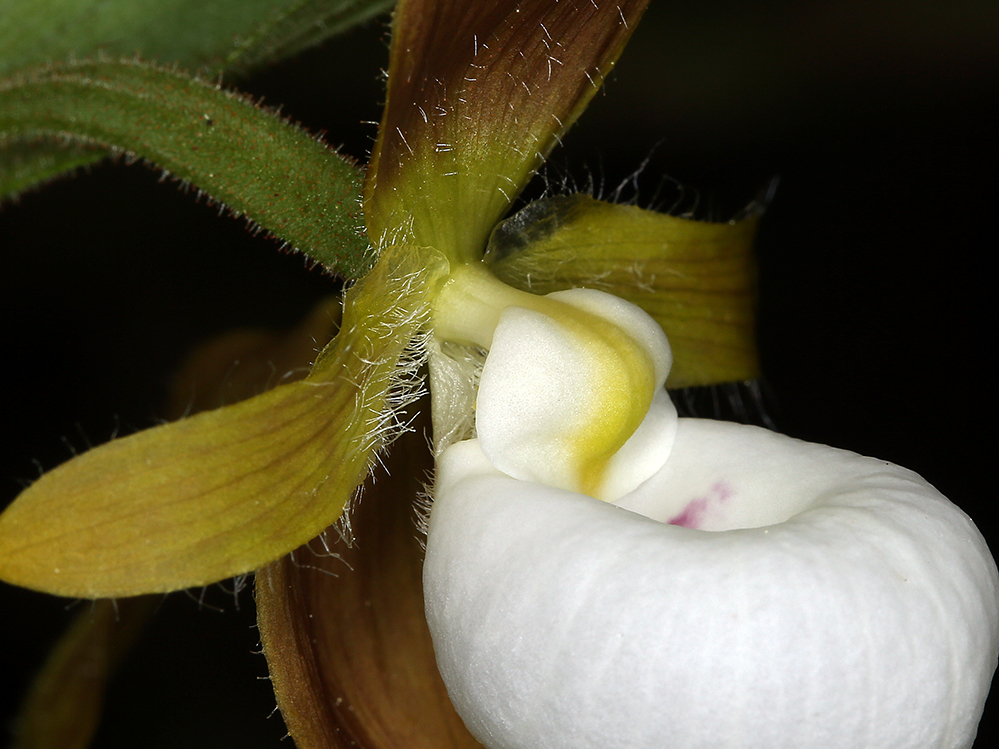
(227, 491)
(478, 95)
(696, 278)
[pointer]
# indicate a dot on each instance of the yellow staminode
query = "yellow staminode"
(575, 380)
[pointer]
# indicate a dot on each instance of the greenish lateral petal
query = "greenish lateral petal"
(27, 165)
(696, 278)
(241, 155)
(227, 491)
(478, 95)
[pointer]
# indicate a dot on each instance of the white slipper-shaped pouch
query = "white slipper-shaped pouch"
(754, 591)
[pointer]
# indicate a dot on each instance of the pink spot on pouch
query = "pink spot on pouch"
(694, 513)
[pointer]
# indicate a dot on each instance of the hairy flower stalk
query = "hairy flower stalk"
(751, 591)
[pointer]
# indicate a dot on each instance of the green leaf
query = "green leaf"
(697, 279)
(188, 32)
(244, 362)
(236, 36)
(241, 155)
(191, 33)
(478, 95)
(24, 165)
(227, 491)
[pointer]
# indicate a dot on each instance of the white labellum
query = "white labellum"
(754, 591)
(865, 620)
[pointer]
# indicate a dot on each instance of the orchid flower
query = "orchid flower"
(229, 490)
(566, 609)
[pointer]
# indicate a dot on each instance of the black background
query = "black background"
(875, 324)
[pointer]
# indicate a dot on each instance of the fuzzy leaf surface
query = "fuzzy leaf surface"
(696, 278)
(191, 33)
(227, 491)
(234, 36)
(239, 154)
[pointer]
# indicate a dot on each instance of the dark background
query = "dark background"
(878, 120)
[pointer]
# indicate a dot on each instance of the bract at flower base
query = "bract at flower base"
(756, 591)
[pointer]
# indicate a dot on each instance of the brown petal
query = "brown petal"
(479, 93)
(344, 632)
